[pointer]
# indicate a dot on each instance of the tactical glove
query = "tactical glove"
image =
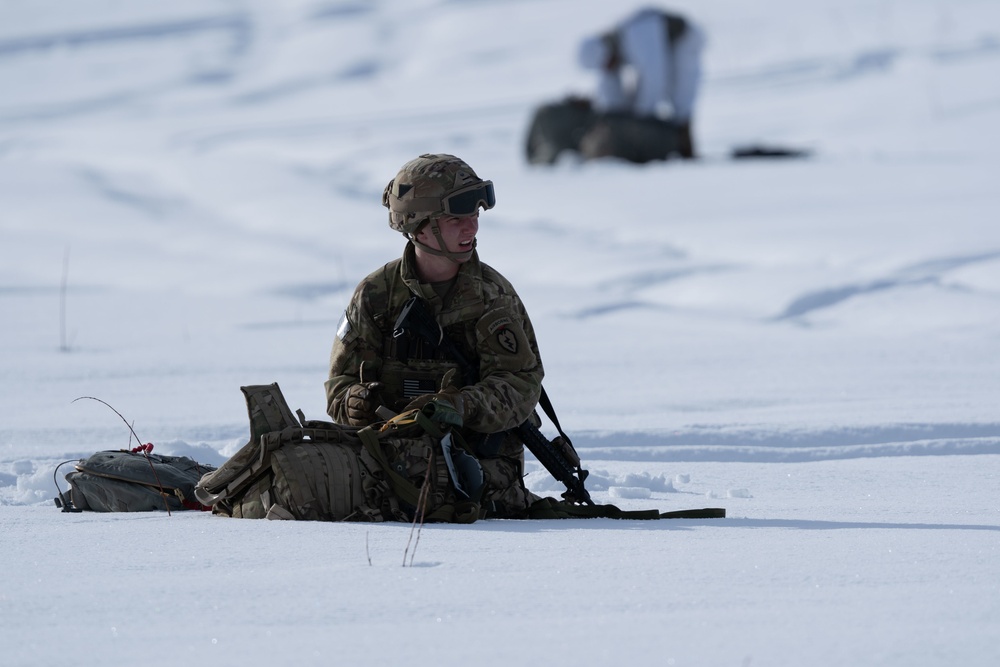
(362, 401)
(451, 396)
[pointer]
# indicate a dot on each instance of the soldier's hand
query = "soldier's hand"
(451, 396)
(362, 401)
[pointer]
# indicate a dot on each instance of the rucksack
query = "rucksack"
(558, 128)
(571, 125)
(636, 139)
(132, 481)
(412, 466)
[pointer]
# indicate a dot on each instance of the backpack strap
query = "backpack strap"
(408, 492)
(404, 489)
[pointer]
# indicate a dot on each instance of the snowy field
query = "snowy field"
(189, 192)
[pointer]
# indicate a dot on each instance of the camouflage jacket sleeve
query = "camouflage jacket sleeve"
(510, 369)
(358, 342)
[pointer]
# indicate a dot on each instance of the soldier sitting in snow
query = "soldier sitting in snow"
(434, 201)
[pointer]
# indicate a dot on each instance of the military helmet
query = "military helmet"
(433, 185)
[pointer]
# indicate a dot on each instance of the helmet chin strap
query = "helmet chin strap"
(457, 257)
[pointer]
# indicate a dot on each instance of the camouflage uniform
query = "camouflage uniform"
(483, 315)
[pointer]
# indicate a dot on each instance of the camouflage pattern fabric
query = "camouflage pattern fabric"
(426, 178)
(483, 315)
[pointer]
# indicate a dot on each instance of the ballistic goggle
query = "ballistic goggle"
(461, 202)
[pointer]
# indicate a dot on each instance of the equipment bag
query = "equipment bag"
(556, 128)
(632, 138)
(413, 466)
(132, 481)
(571, 125)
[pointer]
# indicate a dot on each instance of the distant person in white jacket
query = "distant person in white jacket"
(650, 66)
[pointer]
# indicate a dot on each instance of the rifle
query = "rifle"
(416, 320)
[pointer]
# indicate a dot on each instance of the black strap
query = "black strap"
(550, 412)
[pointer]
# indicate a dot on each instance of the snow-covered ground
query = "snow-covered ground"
(189, 191)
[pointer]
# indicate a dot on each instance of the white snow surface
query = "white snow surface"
(189, 192)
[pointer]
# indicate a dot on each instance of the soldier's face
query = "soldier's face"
(457, 233)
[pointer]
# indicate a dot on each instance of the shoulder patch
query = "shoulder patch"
(500, 326)
(499, 322)
(505, 338)
(344, 327)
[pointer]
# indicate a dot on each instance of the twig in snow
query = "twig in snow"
(421, 511)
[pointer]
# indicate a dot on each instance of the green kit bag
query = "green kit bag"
(320, 471)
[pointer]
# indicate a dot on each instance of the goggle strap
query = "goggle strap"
(417, 205)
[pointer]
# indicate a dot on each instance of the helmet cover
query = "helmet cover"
(416, 194)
